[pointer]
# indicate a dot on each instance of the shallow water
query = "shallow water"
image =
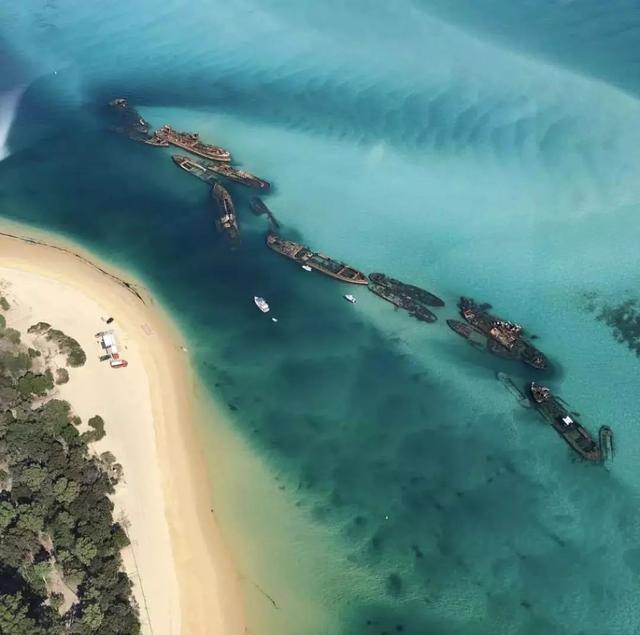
(374, 476)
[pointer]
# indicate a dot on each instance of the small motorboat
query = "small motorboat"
(261, 303)
(307, 268)
(349, 298)
(274, 319)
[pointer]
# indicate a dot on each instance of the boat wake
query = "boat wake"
(9, 102)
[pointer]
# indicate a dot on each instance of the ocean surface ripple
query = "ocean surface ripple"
(373, 476)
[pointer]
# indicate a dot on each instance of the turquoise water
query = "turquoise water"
(379, 479)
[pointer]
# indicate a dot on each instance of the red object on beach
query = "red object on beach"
(118, 363)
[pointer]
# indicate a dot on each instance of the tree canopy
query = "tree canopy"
(55, 513)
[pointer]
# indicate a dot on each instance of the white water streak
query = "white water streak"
(9, 102)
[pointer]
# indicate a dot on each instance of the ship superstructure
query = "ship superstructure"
(239, 176)
(323, 264)
(506, 339)
(564, 423)
(227, 222)
(189, 141)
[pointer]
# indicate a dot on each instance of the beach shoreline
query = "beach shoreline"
(151, 425)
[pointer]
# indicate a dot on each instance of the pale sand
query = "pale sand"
(184, 579)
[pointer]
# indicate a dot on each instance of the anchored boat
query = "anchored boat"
(261, 303)
(323, 264)
(550, 407)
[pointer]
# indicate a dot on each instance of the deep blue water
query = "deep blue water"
(474, 152)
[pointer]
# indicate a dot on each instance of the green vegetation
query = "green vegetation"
(62, 376)
(30, 384)
(113, 469)
(8, 333)
(66, 344)
(4, 305)
(55, 515)
(97, 429)
(12, 335)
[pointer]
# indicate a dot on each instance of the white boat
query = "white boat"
(261, 303)
(307, 268)
(350, 298)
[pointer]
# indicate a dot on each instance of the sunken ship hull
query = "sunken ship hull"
(605, 439)
(323, 264)
(473, 336)
(226, 222)
(240, 176)
(511, 386)
(506, 339)
(259, 208)
(193, 167)
(189, 141)
(408, 290)
(128, 120)
(405, 296)
(561, 420)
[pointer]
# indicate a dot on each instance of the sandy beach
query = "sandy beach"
(184, 580)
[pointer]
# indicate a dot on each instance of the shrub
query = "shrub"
(76, 356)
(35, 384)
(39, 328)
(120, 538)
(97, 432)
(56, 601)
(14, 364)
(54, 506)
(62, 376)
(12, 335)
(68, 346)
